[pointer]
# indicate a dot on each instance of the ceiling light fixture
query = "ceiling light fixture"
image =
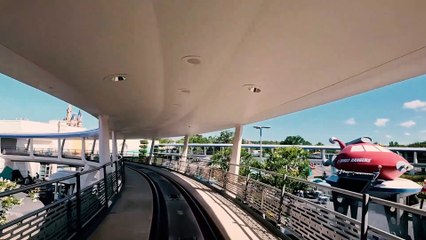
(117, 77)
(192, 59)
(252, 88)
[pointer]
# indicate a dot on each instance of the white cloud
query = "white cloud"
(388, 136)
(350, 121)
(415, 104)
(408, 124)
(407, 134)
(381, 122)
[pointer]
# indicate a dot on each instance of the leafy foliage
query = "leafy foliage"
(291, 161)
(143, 148)
(166, 140)
(222, 159)
(7, 202)
(295, 140)
(224, 137)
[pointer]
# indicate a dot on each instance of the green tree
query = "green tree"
(295, 140)
(222, 159)
(394, 144)
(319, 144)
(417, 144)
(7, 202)
(247, 161)
(225, 137)
(166, 140)
(291, 161)
(143, 148)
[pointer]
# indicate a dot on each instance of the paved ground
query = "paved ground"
(237, 223)
(131, 216)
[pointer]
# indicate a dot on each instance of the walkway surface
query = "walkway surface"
(131, 216)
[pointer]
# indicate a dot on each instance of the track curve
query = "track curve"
(176, 213)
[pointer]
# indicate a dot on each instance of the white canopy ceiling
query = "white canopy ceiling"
(299, 53)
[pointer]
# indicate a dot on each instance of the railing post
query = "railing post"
(225, 180)
(280, 209)
(123, 176)
(105, 186)
(78, 203)
(246, 188)
(210, 175)
(364, 216)
(116, 176)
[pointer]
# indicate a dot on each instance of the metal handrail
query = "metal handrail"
(357, 227)
(85, 200)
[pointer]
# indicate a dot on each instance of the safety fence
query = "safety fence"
(64, 207)
(310, 210)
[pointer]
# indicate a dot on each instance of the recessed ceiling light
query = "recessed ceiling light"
(253, 88)
(192, 59)
(117, 77)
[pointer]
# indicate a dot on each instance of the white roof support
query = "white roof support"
(83, 149)
(185, 148)
(114, 146)
(236, 150)
(104, 152)
(123, 145)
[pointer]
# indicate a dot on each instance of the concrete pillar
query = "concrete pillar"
(32, 147)
(59, 149)
(184, 155)
(151, 151)
(415, 160)
(104, 152)
(236, 150)
(93, 146)
(323, 155)
(83, 149)
(114, 147)
(123, 145)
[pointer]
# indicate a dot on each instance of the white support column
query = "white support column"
(104, 152)
(236, 150)
(114, 147)
(415, 160)
(123, 145)
(151, 151)
(83, 149)
(185, 148)
(32, 147)
(59, 149)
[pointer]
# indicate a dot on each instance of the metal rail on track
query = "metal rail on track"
(205, 223)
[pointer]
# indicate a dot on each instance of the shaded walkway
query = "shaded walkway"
(130, 218)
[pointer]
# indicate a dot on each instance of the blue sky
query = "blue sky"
(393, 113)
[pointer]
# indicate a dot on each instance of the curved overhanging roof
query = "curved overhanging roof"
(299, 53)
